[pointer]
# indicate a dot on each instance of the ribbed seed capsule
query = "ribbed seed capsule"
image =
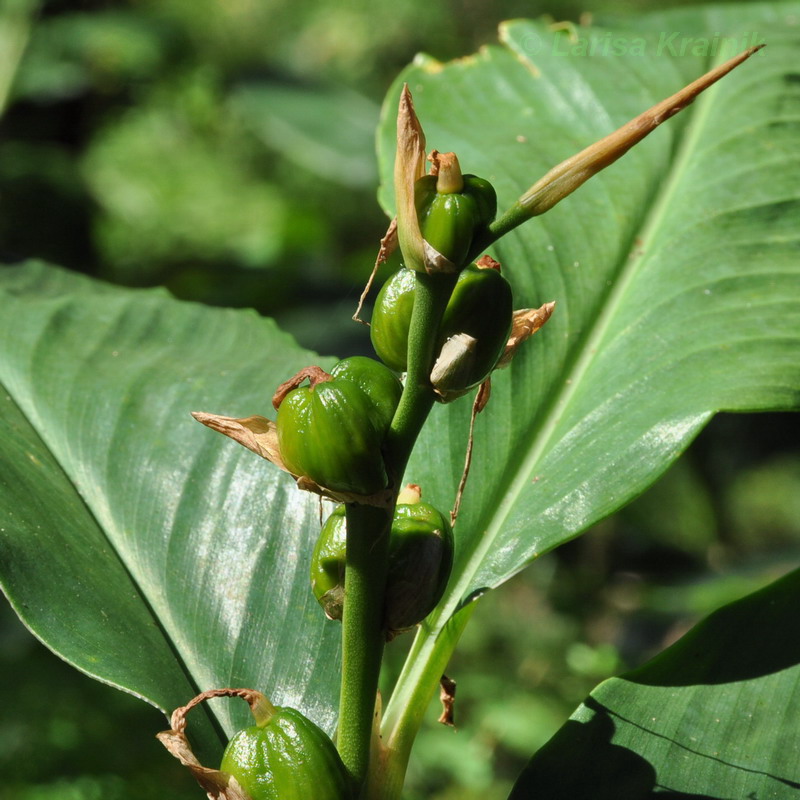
(287, 758)
(378, 384)
(453, 208)
(391, 319)
(485, 198)
(448, 224)
(420, 560)
(332, 430)
(328, 564)
(474, 331)
(479, 189)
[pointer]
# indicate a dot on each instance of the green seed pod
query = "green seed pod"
(448, 224)
(391, 319)
(420, 560)
(474, 331)
(424, 192)
(452, 208)
(328, 564)
(378, 383)
(332, 430)
(286, 758)
(482, 192)
(485, 199)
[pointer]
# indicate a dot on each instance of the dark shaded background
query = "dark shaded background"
(224, 150)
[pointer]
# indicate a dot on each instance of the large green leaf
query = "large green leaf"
(676, 274)
(714, 716)
(141, 547)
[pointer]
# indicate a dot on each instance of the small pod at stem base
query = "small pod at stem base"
(286, 758)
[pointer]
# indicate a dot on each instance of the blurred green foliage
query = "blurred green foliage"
(225, 150)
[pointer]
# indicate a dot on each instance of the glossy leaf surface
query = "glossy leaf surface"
(711, 717)
(161, 558)
(143, 548)
(675, 273)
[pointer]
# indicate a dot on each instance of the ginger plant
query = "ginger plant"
(445, 322)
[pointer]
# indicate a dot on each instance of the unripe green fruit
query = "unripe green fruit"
(327, 433)
(424, 192)
(449, 221)
(328, 564)
(448, 224)
(379, 384)
(287, 758)
(474, 330)
(485, 199)
(332, 431)
(477, 320)
(479, 189)
(420, 560)
(391, 319)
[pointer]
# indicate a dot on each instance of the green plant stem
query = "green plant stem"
(430, 300)
(509, 220)
(368, 537)
(362, 632)
(367, 561)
